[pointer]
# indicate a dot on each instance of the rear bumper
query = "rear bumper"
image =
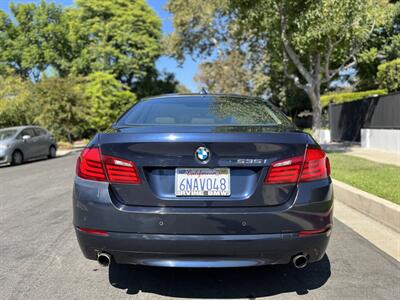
(203, 237)
(5, 156)
(205, 251)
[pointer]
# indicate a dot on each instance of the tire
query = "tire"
(52, 152)
(17, 158)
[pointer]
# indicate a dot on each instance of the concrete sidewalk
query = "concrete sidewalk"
(380, 156)
(378, 234)
(64, 152)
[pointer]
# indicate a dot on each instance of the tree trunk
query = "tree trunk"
(69, 137)
(314, 96)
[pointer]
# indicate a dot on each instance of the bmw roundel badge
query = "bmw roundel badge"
(202, 154)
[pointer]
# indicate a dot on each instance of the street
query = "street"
(41, 259)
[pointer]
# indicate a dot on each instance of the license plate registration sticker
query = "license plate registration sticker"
(202, 182)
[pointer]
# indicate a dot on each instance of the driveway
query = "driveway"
(40, 257)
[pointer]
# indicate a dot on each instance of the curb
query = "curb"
(375, 207)
(62, 153)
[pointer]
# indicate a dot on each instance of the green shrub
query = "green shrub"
(389, 75)
(59, 106)
(348, 97)
(71, 108)
(15, 102)
(108, 98)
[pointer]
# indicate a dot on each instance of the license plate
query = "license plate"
(202, 182)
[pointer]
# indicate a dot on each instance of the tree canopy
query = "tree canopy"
(308, 42)
(14, 100)
(103, 53)
(115, 36)
(81, 65)
(59, 104)
(227, 73)
(383, 46)
(107, 99)
(36, 40)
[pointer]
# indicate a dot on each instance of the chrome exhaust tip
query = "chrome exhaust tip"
(300, 261)
(104, 259)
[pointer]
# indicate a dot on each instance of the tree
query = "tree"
(107, 99)
(155, 83)
(383, 46)
(75, 70)
(114, 36)
(118, 37)
(227, 74)
(59, 105)
(318, 39)
(314, 40)
(182, 89)
(389, 75)
(15, 102)
(36, 40)
(201, 27)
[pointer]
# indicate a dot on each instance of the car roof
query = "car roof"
(19, 128)
(197, 95)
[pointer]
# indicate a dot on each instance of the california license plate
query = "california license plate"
(202, 182)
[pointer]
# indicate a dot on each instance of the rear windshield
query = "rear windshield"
(7, 133)
(203, 111)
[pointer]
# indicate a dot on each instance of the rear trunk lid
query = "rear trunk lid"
(246, 151)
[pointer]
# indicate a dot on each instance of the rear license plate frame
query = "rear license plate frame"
(203, 186)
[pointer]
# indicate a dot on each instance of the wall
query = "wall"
(347, 119)
(383, 139)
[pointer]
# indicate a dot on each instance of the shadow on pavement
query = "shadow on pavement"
(36, 160)
(31, 161)
(342, 147)
(220, 283)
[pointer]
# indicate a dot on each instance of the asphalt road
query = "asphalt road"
(40, 257)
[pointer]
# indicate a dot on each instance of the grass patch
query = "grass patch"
(379, 179)
(307, 130)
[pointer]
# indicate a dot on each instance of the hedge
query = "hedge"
(389, 75)
(348, 97)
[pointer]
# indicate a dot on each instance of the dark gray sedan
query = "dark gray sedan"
(22, 143)
(203, 181)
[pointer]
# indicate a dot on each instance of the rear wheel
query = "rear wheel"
(17, 158)
(52, 152)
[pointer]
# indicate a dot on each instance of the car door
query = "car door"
(31, 146)
(25, 145)
(42, 141)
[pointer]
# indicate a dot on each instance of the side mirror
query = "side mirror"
(26, 137)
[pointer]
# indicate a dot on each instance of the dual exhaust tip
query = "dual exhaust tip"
(300, 261)
(104, 259)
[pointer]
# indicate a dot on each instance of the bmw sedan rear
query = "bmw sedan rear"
(203, 181)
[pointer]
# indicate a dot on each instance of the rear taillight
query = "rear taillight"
(316, 165)
(93, 231)
(94, 166)
(313, 166)
(304, 233)
(285, 171)
(121, 170)
(89, 165)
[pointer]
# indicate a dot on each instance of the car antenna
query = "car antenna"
(203, 91)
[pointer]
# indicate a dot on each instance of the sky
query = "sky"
(183, 74)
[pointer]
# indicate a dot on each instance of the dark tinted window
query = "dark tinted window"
(27, 131)
(7, 133)
(40, 131)
(206, 110)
